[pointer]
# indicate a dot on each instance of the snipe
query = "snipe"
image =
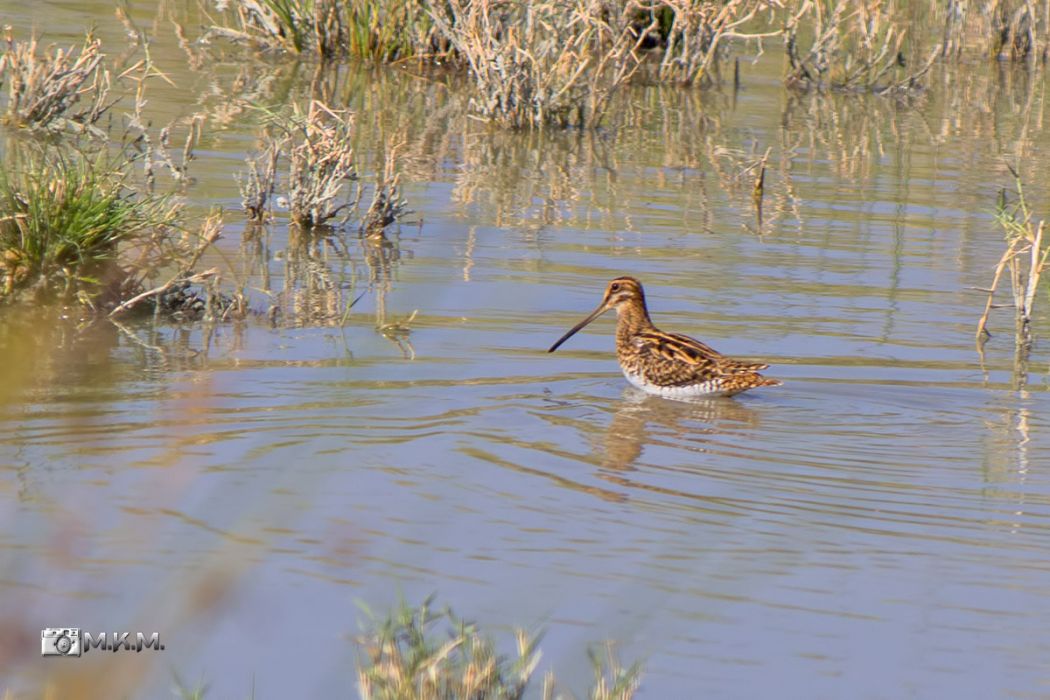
(667, 364)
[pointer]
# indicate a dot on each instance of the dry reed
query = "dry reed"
(388, 205)
(1025, 259)
(258, 185)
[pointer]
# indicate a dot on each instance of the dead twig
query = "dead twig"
(210, 233)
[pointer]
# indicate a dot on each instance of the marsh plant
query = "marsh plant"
(423, 654)
(65, 222)
(1008, 30)
(273, 24)
(1024, 259)
(391, 30)
(555, 62)
(382, 30)
(1019, 30)
(695, 32)
(58, 89)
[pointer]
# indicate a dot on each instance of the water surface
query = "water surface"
(876, 527)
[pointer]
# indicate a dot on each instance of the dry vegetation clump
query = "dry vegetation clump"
(257, 185)
(187, 294)
(57, 90)
(74, 230)
(322, 178)
(321, 163)
(1009, 30)
(75, 225)
(406, 658)
(557, 62)
(546, 62)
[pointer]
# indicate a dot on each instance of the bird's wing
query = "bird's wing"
(684, 360)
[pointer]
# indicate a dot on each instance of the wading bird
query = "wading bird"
(667, 364)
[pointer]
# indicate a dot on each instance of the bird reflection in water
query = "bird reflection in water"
(641, 419)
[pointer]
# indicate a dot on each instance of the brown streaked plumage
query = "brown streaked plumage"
(667, 364)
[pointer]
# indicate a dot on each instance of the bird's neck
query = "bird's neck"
(632, 318)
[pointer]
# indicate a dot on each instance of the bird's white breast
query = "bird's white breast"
(700, 389)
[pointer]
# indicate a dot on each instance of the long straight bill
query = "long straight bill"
(579, 326)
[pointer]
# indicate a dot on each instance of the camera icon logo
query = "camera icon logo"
(60, 641)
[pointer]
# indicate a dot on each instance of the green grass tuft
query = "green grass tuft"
(63, 223)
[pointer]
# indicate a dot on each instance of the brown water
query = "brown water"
(877, 527)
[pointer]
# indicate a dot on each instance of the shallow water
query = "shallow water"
(876, 527)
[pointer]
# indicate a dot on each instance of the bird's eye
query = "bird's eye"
(614, 287)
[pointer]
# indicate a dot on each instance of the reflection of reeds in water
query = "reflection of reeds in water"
(506, 174)
(322, 281)
(228, 100)
(319, 279)
(382, 256)
(1007, 460)
(586, 180)
(854, 134)
(540, 178)
(679, 143)
(849, 131)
